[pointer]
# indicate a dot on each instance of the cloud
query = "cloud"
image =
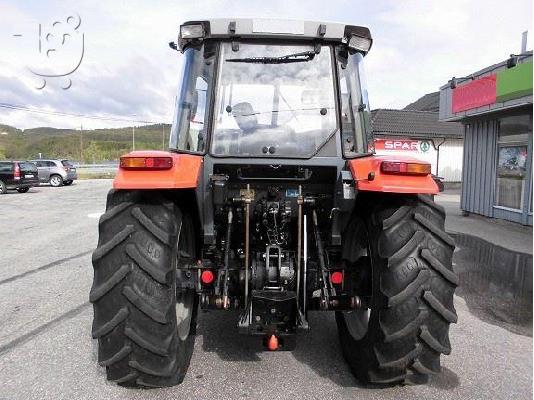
(129, 71)
(420, 45)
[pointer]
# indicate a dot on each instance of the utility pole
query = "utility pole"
(81, 143)
(133, 137)
(163, 136)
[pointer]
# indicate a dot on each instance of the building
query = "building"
(420, 134)
(495, 107)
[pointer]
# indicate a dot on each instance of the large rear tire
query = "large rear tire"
(401, 337)
(145, 328)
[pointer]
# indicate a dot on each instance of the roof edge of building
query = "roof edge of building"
(487, 70)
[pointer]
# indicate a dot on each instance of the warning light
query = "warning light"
(146, 163)
(404, 168)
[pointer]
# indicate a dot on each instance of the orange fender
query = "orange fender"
(182, 175)
(389, 183)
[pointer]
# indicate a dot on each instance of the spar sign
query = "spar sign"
(387, 145)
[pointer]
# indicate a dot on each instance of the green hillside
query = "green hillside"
(89, 146)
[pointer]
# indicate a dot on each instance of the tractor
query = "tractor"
(271, 201)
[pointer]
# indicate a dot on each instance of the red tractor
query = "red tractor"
(272, 202)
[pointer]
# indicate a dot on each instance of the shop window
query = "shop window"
(512, 161)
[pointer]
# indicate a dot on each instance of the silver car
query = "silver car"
(56, 172)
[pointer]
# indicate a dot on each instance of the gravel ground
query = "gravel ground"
(46, 351)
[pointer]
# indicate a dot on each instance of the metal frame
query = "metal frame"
(204, 193)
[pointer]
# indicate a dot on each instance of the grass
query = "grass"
(96, 175)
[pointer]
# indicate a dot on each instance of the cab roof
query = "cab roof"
(280, 29)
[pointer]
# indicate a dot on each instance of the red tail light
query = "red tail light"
(146, 163)
(66, 169)
(404, 168)
(17, 171)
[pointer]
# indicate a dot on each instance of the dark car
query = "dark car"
(19, 175)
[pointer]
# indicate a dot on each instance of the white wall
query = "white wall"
(450, 160)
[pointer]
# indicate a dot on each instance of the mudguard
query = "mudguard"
(368, 177)
(183, 174)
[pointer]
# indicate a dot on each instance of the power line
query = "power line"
(65, 114)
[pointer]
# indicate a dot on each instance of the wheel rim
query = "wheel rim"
(55, 181)
(357, 322)
(184, 313)
(185, 299)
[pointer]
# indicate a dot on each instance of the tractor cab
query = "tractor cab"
(272, 89)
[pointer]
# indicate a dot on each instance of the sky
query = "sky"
(125, 71)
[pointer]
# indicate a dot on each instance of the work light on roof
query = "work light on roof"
(359, 43)
(192, 31)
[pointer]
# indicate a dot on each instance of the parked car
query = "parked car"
(56, 172)
(19, 175)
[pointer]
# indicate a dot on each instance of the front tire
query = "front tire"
(3, 188)
(138, 315)
(401, 337)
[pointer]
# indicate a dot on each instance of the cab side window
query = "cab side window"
(355, 114)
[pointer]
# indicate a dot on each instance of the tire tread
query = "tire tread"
(133, 291)
(409, 330)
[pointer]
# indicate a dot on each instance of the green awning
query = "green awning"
(514, 82)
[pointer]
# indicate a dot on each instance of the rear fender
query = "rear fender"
(184, 173)
(369, 178)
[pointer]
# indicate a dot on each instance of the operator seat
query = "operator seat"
(245, 117)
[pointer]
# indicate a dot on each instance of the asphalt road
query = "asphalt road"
(46, 351)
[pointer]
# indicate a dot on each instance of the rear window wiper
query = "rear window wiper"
(290, 58)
